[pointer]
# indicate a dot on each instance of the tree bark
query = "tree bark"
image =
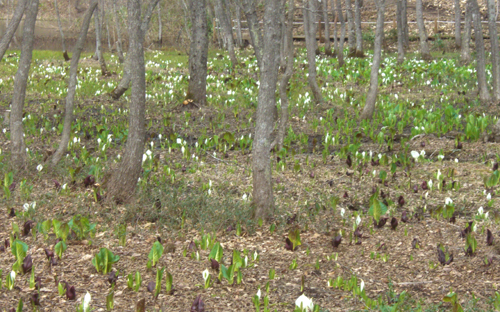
(340, 53)
(70, 97)
(124, 180)
(424, 47)
(401, 49)
(458, 14)
(221, 10)
(186, 20)
(283, 38)
(160, 35)
(98, 44)
(371, 97)
(335, 29)
(12, 26)
(263, 200)
(404, 17)
(328, 47)
(359, 33)
(198, 55)
(60, 27)
(494, 49)
(125, 81)
(310, 34)
(108, 38)
(351, 37)
(119, 49)
(250, 10)
(465, 57)
(288, 53)
(238, 29)
(484, 95)
(18, 148)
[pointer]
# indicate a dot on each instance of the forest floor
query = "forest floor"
(197, 181)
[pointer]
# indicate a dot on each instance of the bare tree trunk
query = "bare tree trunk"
(359, 33)
(119, 49)
(424, 47)
(250, 10)
(263, 200)
(465, 57)
(107, 33)
(484, 95)
(70, 97)
(340, 53)
(401, 49)
(12, 26)
(124, 180)
(14, 38)
(371, 97)
(494, 49)
(160, 35)
(404, 17)
(186, 20)
(125, 81)
(18, 149)
(221, 10)
(351, 30)
(98, 45)
(458, 14)
(335, 30)
(238, 30)
(198, 55)
(328, 47)
(288, 52)
(283, 42)
(310, 34)
(60, 27)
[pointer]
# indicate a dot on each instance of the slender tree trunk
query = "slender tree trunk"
(424, 47)
(494, 49)
(108, 37)
(98, 45)
(186, 20)
(124, 180)
(401, 49)
(404, 17)
(351, 30)
(250, 9)
(310, 34)
(288, 52)
(458, 14)
(335, 30)
(221, 9)
(160, 35)
(359, 33)
(18, 149)
(125, 81)
(340, 53)
(238, 29)
(283, 42)
(70, 97)
(198, 55)
(371, 97)
(465, 57)
(119, 49)
(263, 200)
(484, 95)
(14, 38)
(12, 26)
(328, 48)
(60, 27)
